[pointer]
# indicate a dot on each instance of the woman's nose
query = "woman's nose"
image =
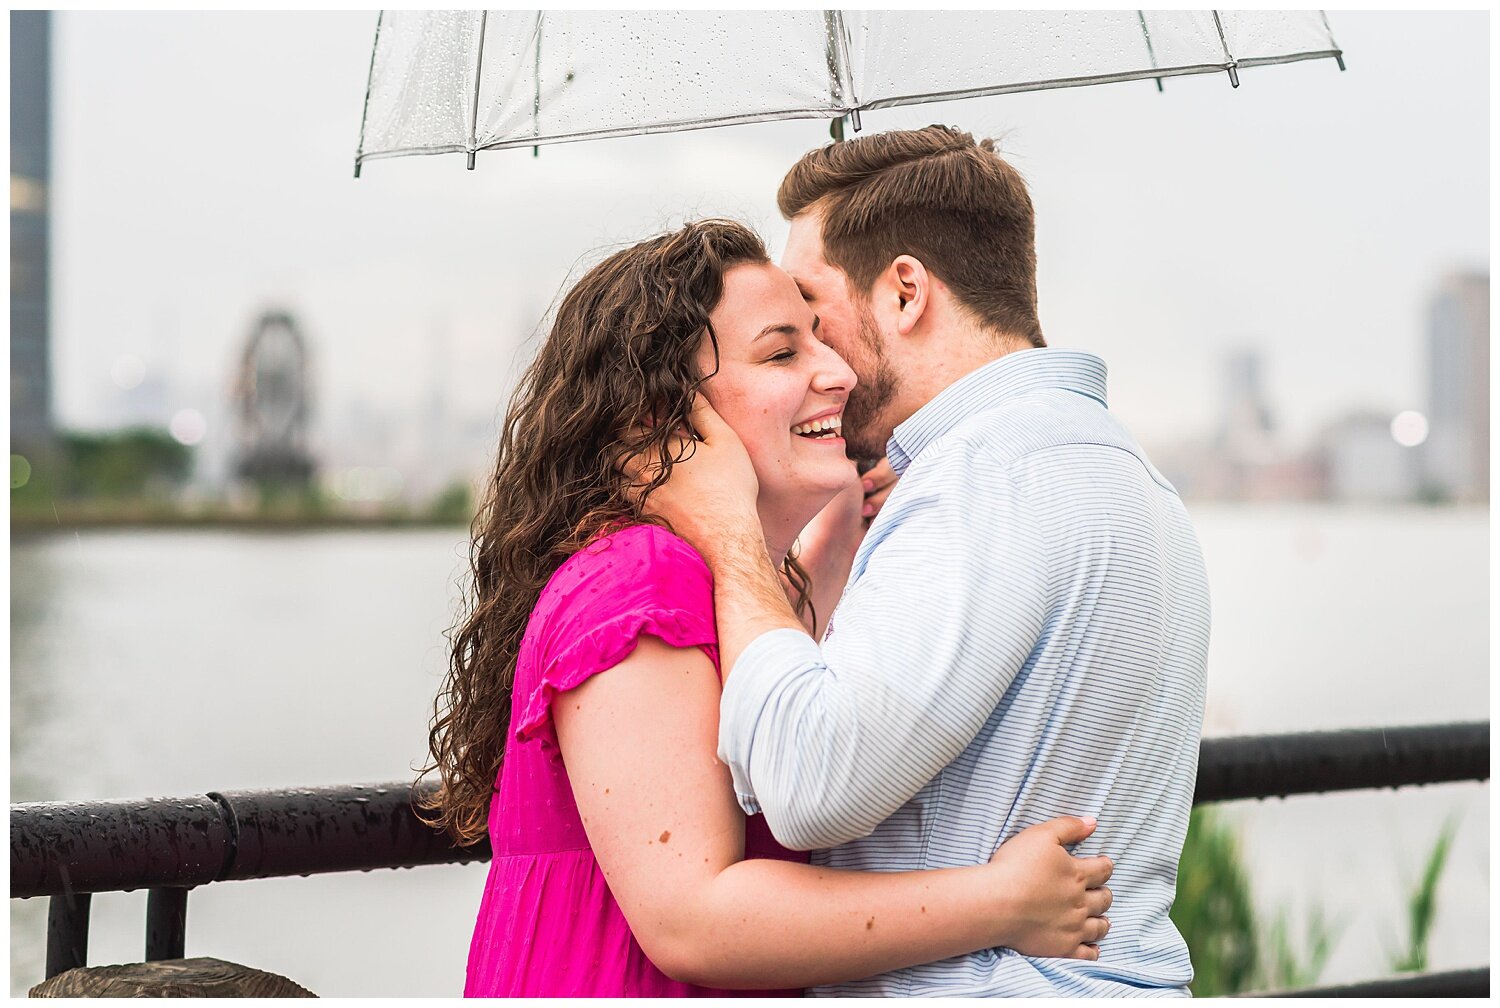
(833, 373)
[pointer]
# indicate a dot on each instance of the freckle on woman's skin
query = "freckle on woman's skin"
(870, 924)
(665, 836)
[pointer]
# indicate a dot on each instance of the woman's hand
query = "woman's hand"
(1054, 902)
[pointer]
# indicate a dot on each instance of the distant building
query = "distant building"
(1245, 424)
(1242, 460)
(1361, 461)
(30, 178)
(1457, 453)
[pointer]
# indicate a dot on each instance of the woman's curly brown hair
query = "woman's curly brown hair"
(622, 349)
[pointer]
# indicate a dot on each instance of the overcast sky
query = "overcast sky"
(203, 171)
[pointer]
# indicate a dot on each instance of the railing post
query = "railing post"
(67, 932)
(166, 923)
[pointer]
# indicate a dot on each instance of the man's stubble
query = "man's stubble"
(863, 429)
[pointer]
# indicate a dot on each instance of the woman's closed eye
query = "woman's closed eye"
(784, 356)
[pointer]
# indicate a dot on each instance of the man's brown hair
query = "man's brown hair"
(935, 194)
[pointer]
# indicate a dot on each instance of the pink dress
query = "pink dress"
(548, 925)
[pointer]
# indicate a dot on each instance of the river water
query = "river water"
(179, 662)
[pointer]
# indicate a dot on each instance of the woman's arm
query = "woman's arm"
(826, 549)
(639, 741)
(831, 539)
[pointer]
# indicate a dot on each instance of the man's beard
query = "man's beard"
(863, 432)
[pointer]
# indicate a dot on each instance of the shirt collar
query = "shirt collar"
(1014, 374)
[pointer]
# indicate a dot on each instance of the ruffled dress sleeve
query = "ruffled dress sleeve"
(639, 580)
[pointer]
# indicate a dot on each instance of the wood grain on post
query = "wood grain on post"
(200, 977)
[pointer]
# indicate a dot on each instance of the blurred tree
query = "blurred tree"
(454, 505)
(133, 463)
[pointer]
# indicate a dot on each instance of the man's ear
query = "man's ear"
(911, 285)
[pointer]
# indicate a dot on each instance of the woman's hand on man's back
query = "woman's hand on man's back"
(1055, 900)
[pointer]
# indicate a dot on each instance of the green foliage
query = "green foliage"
(1232, 950)
(1293, 966)
(33, 481)
(454, 505)
(1421, 905)
(1213, 910)
(138, 462)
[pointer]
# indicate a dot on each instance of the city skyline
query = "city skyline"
(1308, 213)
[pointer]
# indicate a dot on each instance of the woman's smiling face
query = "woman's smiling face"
(776, 379)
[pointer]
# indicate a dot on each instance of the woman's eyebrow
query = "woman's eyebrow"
(783, 328)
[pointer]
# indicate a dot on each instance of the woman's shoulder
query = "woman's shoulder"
(626, 553)
(633, 581)
(629, 568)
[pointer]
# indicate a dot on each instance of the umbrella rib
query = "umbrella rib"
(840, 75)
(364, 116)
(1234, 76)
(1059, 82)
(478, 74)
(1339, 53)
(1150, 49)
(536, 94)
(665, 126)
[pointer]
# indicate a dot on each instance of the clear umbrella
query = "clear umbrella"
(466, 81)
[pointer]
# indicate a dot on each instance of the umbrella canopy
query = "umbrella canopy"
(451, 81)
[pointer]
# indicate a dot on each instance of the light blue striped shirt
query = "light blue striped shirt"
(1023, 635)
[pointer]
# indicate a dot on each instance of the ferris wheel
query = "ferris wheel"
(272, 392)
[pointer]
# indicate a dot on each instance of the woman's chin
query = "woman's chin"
(814, 492)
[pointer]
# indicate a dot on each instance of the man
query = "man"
(1025, 625)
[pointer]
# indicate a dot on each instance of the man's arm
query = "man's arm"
(710, 502)
(748, 596)
(945, 613)
(637, 740)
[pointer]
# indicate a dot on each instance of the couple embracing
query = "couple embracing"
(701, 645)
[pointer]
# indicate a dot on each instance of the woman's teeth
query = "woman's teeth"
(820, 428)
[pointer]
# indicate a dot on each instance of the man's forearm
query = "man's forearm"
(748, 596)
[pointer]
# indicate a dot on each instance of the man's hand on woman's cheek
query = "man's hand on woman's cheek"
(711, 492)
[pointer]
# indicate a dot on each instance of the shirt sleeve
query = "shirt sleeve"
(829, 742)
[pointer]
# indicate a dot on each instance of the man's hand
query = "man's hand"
(878, 484)
(709, 499)
(712, 490)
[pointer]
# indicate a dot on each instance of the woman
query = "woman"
(622, 864)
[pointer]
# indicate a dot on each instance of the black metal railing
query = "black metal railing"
(69, 850)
